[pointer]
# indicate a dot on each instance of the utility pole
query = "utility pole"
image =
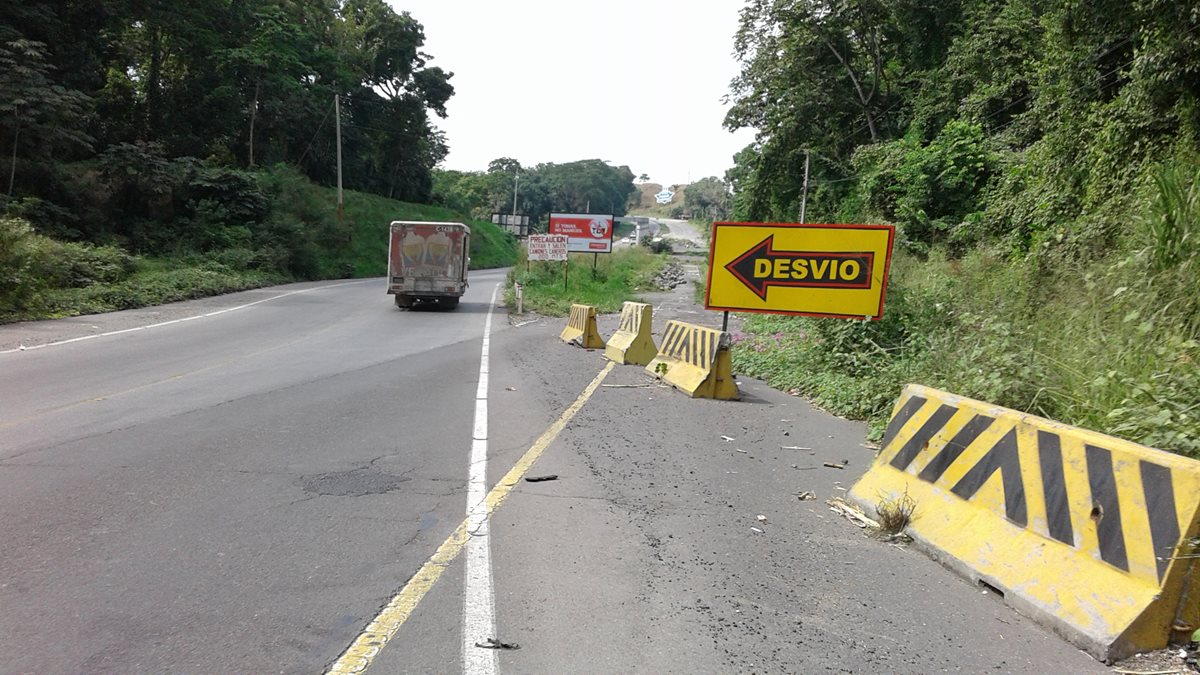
(337, 113)
(804, 196)
(516, 182)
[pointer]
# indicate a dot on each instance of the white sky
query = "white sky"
(636, 82)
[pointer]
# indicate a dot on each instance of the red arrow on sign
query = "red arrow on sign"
(762, 267)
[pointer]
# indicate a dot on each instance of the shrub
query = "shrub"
(17, 259)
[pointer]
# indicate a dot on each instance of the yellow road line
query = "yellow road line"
(362, 652)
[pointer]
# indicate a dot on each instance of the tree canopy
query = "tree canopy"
(589, 185)
(230, 83)
(964, 120)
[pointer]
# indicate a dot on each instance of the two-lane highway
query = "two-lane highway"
(305, 478)
(235, 493)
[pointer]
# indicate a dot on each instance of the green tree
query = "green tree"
(708, 198)
(37, 115)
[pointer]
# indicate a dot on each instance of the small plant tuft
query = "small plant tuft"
(895, 513)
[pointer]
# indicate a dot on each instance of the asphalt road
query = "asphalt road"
(243, 492)
(682, 229)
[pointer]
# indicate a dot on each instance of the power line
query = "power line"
(314, 138)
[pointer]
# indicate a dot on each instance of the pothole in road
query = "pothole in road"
(354, 483)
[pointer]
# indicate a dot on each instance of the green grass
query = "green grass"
(1106, 346)
(369, 216)
(155, 282)
(619, 276)
(1109, 343)
(41, 278)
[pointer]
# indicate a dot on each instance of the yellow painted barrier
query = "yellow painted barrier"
(1090, 534)
(632, 343)
(581, 328)
(696, 360)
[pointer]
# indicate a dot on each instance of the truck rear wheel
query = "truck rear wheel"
(403, 301)
(448, 303)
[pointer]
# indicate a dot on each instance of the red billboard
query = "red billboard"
(586, 232)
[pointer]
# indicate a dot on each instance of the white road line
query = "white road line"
(175, 321)
(479, 602)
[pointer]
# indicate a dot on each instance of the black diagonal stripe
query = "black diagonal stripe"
(1003, 457)
(1164, 520)
(687, 345)
(910, 408)
(965, 436)
(1107, 508)
(671, 339)
(920, 440)
(680, 336)
(1054, 488)
(705, 359)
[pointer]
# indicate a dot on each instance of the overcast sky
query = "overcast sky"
(636, 82)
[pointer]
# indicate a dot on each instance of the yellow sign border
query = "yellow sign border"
(887, 263)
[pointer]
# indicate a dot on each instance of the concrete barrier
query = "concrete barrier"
(1087, 533)
(632, 343)
(581, 328)
(695, 360)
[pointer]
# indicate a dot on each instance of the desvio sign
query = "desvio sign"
(790, 268)
(585, 232)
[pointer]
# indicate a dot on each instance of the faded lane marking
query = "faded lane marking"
(366, 646)
(186, 318)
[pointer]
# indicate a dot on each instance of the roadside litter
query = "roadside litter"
(493, 643)
(539, 479)
(851, 512)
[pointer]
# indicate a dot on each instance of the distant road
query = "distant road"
(682, 229)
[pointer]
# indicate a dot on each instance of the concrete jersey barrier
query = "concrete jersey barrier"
(632, 343)
(1085, 532)
(696, 360)
(581, 328)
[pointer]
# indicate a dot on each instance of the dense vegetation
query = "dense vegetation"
(297, 238)
(158, 151)
(1040, 159)
(584, 186)
(139, 88)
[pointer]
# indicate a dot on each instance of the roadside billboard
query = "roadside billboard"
(586, 232)
(517, 224)
(546, 247)
(813, 270)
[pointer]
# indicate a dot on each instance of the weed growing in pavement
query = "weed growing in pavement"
(895, 513)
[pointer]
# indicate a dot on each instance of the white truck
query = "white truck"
(427, 263)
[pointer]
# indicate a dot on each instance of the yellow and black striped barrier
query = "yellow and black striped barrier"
(1088, 533)
(581, 328)
(632, 343)
(696, 360)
